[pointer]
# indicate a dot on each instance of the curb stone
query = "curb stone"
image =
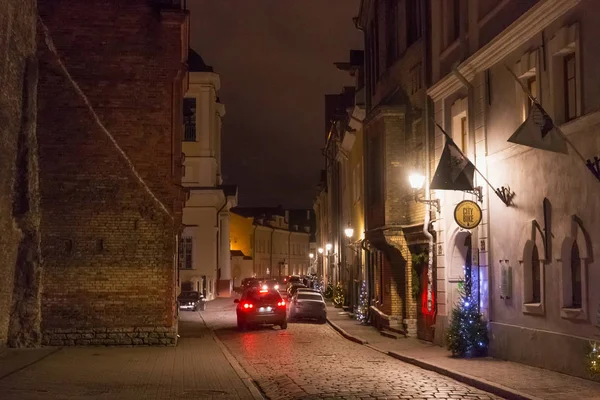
(242, 374)
(478, 383)
(346, 334)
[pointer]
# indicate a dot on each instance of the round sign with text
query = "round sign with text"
(467, 214)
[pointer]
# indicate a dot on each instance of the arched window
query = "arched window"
(536, 276)
(575, 276)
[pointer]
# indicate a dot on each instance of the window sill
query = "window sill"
(533, 308)
(573, 313)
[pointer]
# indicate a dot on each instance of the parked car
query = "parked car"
(292, 280)
(259, 307)
(307, 289)
(190, 300)
(292, 289)
(308, 305)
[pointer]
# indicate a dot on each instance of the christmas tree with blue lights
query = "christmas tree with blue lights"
(467, 335)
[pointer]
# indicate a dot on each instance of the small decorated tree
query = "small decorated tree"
(593, 356)
(339, 295)
(362, 310)
(328, 291)
(467, 334)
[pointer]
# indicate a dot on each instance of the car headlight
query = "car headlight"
(276, 287)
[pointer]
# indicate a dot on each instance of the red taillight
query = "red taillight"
(281, 303)
(248, 306)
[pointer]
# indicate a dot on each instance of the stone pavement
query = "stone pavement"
(310, 361)
(196, 369)
(504, 378)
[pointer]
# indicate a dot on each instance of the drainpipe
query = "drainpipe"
(271, 253)
(219, 244)
(254, 249)
(428, 128)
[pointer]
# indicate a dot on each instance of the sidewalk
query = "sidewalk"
(198, 368)
(504, 378)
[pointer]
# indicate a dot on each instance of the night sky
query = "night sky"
(275, 59)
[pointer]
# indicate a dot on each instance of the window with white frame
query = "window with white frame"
(527, 70)
(460, 126)
(450, 22)
(185, 252)
(566, 84)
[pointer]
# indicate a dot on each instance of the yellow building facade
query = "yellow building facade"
(240, 233)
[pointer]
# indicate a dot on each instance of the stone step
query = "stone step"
(397, 329)
(390, 334)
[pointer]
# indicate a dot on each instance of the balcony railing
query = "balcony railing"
(189, 133)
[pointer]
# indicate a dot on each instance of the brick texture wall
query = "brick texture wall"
(19, 212)
(108, 248)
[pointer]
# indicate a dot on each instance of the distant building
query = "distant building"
(278, 249)
(204, 247)
(241, 267)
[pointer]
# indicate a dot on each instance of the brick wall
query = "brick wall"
(108, 248)
(19, 213)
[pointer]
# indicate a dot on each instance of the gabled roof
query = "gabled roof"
(196, 63)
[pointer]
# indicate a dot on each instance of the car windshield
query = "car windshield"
(309, 296)
(295, 279)
(256, 296)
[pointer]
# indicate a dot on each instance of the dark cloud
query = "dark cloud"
(275, 58)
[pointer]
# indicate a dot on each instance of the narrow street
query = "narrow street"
(312, 361)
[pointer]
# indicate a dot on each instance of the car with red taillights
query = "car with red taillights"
(261, 306)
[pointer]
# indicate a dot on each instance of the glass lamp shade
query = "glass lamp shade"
(311, 255)
(349, 232)
(320, 250)
(416, 181)
(328, 246)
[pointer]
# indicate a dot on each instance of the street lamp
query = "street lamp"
(328, 247)
(349, 231)
(320, 250)
(311, 255)
(416, 183)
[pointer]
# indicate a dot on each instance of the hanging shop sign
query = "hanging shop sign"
(467, 214)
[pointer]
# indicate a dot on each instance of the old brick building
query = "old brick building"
(397, 227)
(108, 240)
(90, 161)
(19, 210)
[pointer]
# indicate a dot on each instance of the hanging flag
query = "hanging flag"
(538, 131)
(454, 171)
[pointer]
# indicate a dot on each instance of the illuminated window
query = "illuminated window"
(185, 252)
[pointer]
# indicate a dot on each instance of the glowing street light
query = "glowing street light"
(311, 255)
(349, 231)
(416, 181)
(328, 247)
(320, 250)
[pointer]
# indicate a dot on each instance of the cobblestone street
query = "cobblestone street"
(311, 361)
